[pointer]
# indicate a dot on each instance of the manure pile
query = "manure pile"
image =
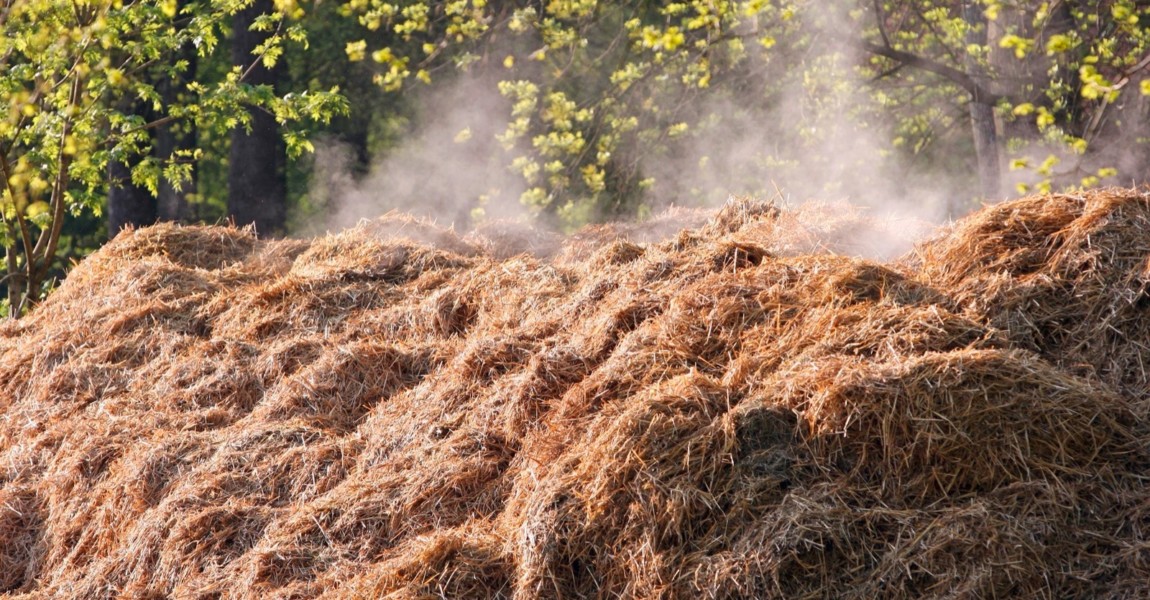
(729, 410)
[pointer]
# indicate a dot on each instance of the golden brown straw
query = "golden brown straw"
(721, 405)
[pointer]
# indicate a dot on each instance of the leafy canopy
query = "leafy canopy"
(75, 74)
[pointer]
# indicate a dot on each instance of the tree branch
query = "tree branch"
(260, 57)
(154, 124)
(1129, 74)
(959, 78)
(1095, 124)
(881, 22)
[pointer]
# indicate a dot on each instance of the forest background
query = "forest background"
(298, 116)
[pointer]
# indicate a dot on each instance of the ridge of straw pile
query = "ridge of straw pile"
(711, 406)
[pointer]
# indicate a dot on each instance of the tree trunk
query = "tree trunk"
(986, 149)
(257, 191)
(128, 203)
(172, 203)
(982, 124)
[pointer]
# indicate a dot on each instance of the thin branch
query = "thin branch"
(10, 275)
(934, 31)
(154, 124)
(76, 13)
(138, 68)
(260, 58)
(887, 73)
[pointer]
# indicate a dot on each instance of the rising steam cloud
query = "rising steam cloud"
(448, 166)
(804, 144)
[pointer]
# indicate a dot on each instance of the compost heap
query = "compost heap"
(730, 410)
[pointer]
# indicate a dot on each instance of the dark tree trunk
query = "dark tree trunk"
(982, 123)
(128, 203)
(356, 137)
(257, 191)
(172, 203)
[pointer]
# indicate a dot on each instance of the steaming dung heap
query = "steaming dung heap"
(393, 411)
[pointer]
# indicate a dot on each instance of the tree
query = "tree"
(176, 141)
(961, 67)
(67, 70)
(132, 204)
(1043, 80)
(257, 192)
(983, 128)
(129, 204)
(350, 142)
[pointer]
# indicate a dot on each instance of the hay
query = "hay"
(1067, 276)
(503, 239)
(702, 406)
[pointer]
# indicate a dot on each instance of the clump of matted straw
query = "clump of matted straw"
(1067, 276)
(719, 408)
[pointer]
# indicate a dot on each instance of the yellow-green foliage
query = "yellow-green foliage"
(70, 73)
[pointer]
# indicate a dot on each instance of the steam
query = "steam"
(450, 165)
(801, 144)
(800, 153)
(815, 152)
